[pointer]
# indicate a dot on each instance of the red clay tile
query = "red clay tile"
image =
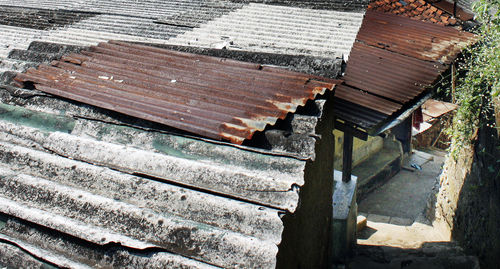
(416, 9)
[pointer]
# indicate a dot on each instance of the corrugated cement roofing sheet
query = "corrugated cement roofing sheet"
(208, 96)
(285, 28)
(87, 179)
(279, 29)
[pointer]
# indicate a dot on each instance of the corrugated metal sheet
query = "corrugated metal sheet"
(212, 97)
(352, 95)
(392, 76)
(421, 40)
(279, 29)
(394, 62)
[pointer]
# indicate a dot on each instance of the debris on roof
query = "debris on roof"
(212, 97)
(394, 62)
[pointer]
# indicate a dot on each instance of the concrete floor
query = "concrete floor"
(397, 234)
(406, 194)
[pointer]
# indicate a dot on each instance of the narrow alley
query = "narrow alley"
(395, 222)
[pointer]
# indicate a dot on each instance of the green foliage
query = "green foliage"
(480, 84)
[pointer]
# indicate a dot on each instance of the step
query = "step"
(430, 255)
(376, 170)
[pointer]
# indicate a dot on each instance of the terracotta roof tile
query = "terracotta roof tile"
(415, 9)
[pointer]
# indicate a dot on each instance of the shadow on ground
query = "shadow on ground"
(429, 256)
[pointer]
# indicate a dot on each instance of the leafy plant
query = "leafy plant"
(480, 84)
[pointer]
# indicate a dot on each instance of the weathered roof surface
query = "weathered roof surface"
(420, 40)
(285, 27)
(394, 62)
(279, 29)
(389, 75)
(180, 210)
(93, 182)
(208, 96)
(87, 187)
(344, 5)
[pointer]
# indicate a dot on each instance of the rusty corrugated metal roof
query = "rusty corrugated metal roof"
(392, 76)
(394, 62)
(209, 96)
(366, 99)
(421, 40)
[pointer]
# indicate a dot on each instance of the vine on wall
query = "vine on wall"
(479, 86)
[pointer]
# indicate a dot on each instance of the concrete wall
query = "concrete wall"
(361, 149)
(468, 202)
(306, 236)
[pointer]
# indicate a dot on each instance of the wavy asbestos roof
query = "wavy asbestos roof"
(286, 27)
(66, 193)
(279, 29)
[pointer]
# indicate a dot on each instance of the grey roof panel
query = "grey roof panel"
(103, 205)
(279, 29)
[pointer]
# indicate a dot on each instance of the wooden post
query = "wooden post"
(347, 155)
(453, 81)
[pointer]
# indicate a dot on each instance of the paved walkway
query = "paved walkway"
(406, 194)
(397, 234)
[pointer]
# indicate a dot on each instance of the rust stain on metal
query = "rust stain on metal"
(393, 62)
(213, 97)
(365, 99)
(421, 40)
(389, 75)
